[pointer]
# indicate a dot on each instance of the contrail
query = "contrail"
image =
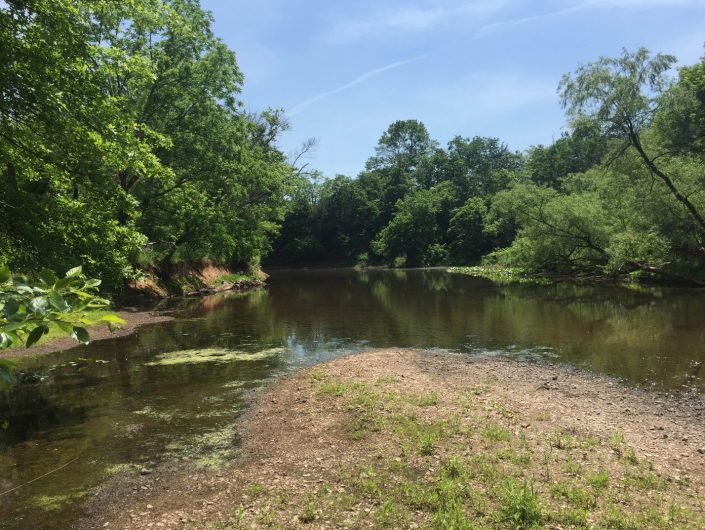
(296, 109)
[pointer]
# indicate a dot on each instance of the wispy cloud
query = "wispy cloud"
(411, 19)
(593, 4)
(490, 93)
(296, 109)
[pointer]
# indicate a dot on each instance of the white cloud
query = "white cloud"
(498, 93)
(411, 19)
(296, 109)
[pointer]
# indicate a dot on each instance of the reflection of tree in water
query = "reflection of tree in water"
(24, 410)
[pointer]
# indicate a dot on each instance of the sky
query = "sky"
(345, 70)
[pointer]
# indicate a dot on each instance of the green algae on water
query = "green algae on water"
(208, 450)
(56, 502)
(210, 355)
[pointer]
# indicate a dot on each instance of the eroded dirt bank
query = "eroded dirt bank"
(411, 439)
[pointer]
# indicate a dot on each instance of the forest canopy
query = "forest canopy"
(621, 191)
(123, 144)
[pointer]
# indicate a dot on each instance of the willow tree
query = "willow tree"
(622, 97)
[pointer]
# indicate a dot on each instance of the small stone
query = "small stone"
(149, 506)
(145, 471)
(701, 450)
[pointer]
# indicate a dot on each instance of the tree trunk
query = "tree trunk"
(11, 178)
(692, 210)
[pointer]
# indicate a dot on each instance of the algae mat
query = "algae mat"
(211, 355)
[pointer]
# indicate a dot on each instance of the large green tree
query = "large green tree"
(622, 96)
(121, 132)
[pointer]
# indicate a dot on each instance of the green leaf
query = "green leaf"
(36, 334)
(48, 277)
(113, 318)
(57, 301)
(5, 274)
(66, 327)
(5, 340)
(81, 335)
(14, 337)
(93, 282)
(71, 273)
(64, 282)
(14, 326)
(11, 307)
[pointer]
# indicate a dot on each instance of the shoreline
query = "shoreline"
(135, 319)
(337, 444)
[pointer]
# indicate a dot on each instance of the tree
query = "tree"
(680, 121)
(469, 242)
(62, 139)
(120, 125)
(345, 216)
(403, 145)
(480, 166)
(413, 233)
(621, 96)
(573, 152)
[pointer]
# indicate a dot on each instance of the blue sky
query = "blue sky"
(345, 70)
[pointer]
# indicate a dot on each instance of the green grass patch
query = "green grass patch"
(441, 464)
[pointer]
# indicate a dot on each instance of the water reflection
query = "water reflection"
(111, 405)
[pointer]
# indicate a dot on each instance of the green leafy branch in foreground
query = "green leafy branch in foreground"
(29, 308)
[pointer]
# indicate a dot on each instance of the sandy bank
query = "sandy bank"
(411, 439)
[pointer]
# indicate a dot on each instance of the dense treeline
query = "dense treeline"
(124, 147)
(123, 144)
(623, 191)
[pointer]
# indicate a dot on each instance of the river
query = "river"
(171, 391)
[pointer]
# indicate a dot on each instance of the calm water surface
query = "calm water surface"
(115, 407)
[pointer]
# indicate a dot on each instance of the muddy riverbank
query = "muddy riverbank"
(402, 438)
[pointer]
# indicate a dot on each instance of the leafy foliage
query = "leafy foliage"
(121, 136)
(29, 308)
(622, 192)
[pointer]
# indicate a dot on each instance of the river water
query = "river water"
(171, 391)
